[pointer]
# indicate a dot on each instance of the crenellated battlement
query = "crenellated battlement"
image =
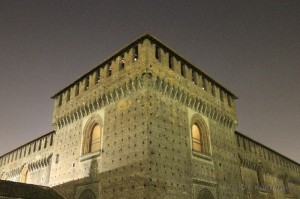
(252, 154)
(166, 58)
(144, 52)
(104, 72)
(32, 148)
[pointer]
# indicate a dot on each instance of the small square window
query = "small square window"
(57, 158)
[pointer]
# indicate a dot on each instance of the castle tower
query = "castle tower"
(145, 123)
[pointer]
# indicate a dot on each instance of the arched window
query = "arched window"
(92, 135)
(87, 194)
(197, 140)
(95, 138)
(200, 136)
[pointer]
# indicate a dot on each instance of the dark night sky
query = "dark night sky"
(250, 47)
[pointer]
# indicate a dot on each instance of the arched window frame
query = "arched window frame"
(204, 135)
(93, 121)
(205, 193)
(24, 174)
(87, 194)
(260, 175)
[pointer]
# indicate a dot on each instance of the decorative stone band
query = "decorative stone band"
(148, 80)
(14, 172)
(38, 164)
(255, 164)
(250, 164)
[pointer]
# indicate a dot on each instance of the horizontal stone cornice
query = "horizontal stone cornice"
(175, 91)
(98, 101)
(254, 164)
(32, 165)
(248, 163)
(148, 79)
(40, 163)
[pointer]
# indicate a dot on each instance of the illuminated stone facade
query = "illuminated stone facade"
(146, 123)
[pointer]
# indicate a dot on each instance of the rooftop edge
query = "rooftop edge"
(136, 41)
(238, 133)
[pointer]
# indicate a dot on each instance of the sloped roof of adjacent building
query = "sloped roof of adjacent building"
(9, 189)
(134, 43)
